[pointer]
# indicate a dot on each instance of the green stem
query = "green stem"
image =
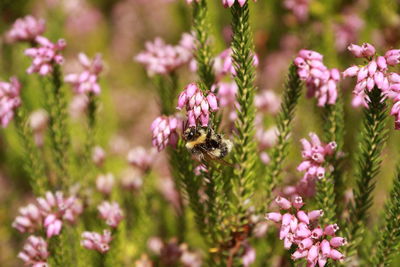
(245, 153)
(203, 53)
(284, 120)
(33, 165)
(373, 137)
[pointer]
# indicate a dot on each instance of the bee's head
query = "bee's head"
(190, 134)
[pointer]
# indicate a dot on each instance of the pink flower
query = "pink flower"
(230, 3)
(9, 100)
(98, 156)
(35, 252)
(88, 80)
(96, 241)
(111, 213)
(266, 138)
(164, 130)
(161, 58)
(267, 101)
(45, 56)
(313, 155)
(141, 158)
(132, 179)
(29, 220)
(38, 121)
(198, 106)
(298, 7)
(347, 31)
(25, 29)
(249, 255)
(191, 1)
(105, 183)
(53, 210)
(320, 81)
(300, 229)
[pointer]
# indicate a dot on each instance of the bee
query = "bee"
(205, 144)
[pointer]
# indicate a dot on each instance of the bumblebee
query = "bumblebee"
(205, 144)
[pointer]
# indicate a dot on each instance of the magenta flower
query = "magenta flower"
(198, 106)
(9, 100)
(111, 213)
(88, 80)
(230, 3)
(299, 8)
(313, 155)
(161, 58)
(26, 29)
(96, 241)
(299, 228)
(46, 56)
(141, 158)
(267, 101)
(164, 130)
(35, 252)
(321, 82)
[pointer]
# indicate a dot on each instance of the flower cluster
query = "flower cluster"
(298, 7)
(26, 29)
(50, 212)
(141, 158)
(197, 105)
(35, 252)
(9, 100)
(88, 80)
(164, 130)
(45, 56)
(376, 74)
(230, 3)
(105, 183)
(315, 243)
(96, 241)
(111, 213)
(320, 81)
(313, 155)
(161, 58)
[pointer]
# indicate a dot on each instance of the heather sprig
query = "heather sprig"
(372, 138)
(244, 152)
(389, 235)
(284, 119)
(203, 52)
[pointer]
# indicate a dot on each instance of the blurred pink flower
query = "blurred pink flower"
(311, 241)
(96, 241)
(161, 58)
(299, 8)
(347, 30)
(45, 56)
(26, 29)
(198, 106)
(105, 183)
(320, 81)
(164, 130)
(267, 101)
(78, 106)
(111, 213)
(223, 64)
(131, 179)
(88, 80)
(35, 252)
(53, 208)
(98, 156)
(141, 158)
(9, 100)
(266, 138)
(249, 255)
(38, 121)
